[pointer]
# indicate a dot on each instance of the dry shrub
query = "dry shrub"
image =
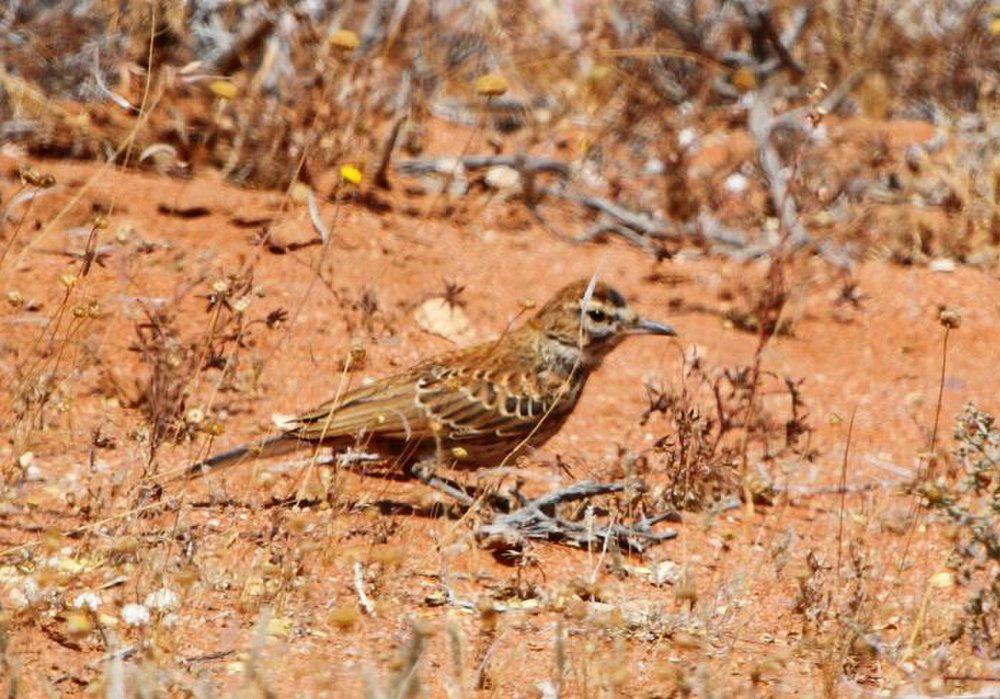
(168, 388)
(972, 504)
(712, 421)
(298, 96)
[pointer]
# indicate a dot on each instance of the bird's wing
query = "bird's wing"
(470, 404)
(387, 408)
(437, 400)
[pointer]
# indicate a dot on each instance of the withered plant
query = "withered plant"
(711, 419)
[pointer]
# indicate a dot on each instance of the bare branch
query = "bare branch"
(480, 162)
(537, 519)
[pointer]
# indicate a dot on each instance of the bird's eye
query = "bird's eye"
(597, 315)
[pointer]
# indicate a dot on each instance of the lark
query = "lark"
(481, 406)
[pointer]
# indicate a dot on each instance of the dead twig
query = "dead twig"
(359, 588)
(644, 224)
(480, 162)
(537, 519)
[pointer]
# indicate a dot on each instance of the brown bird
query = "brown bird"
(474, 407)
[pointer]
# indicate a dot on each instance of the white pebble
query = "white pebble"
(942, 264)
(502, 177)
(736, 183)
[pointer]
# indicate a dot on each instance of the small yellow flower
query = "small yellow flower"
(351, 174)
(491, 85)
(224, 89)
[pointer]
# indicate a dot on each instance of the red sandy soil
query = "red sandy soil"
(882, 360)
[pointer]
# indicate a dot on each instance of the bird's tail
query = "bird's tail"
(269, 446)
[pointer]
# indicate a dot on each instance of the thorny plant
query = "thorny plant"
(709, 418)
(972, 504)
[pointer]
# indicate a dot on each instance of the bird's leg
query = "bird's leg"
(424, 470)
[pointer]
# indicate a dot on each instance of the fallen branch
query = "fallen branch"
(359, 588)
(648, 225)
(537, 519)
(445, 166)
(604, 227)
(761, 122)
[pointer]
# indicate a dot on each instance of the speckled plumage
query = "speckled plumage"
(474, 407)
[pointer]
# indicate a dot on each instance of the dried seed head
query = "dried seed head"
(223, 89)
(950, 318)
(491, 85)
(31, 176)
(344, 617)
(78, 624)
(357, 355)
(744, 79)
(344, 40)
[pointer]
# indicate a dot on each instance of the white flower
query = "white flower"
(87, 600)
(170, 620)
(135, 615)
(163, 600)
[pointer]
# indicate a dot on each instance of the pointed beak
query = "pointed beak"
(645, 326)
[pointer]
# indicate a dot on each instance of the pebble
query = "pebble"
(942, 264)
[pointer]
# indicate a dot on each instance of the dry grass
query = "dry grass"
(647, 109)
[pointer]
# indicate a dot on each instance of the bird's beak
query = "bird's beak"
(645, 326)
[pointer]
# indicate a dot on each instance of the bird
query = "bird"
(480, 406)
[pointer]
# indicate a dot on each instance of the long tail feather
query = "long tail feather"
(271, 446)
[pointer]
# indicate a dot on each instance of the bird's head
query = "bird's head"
(593, 320)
